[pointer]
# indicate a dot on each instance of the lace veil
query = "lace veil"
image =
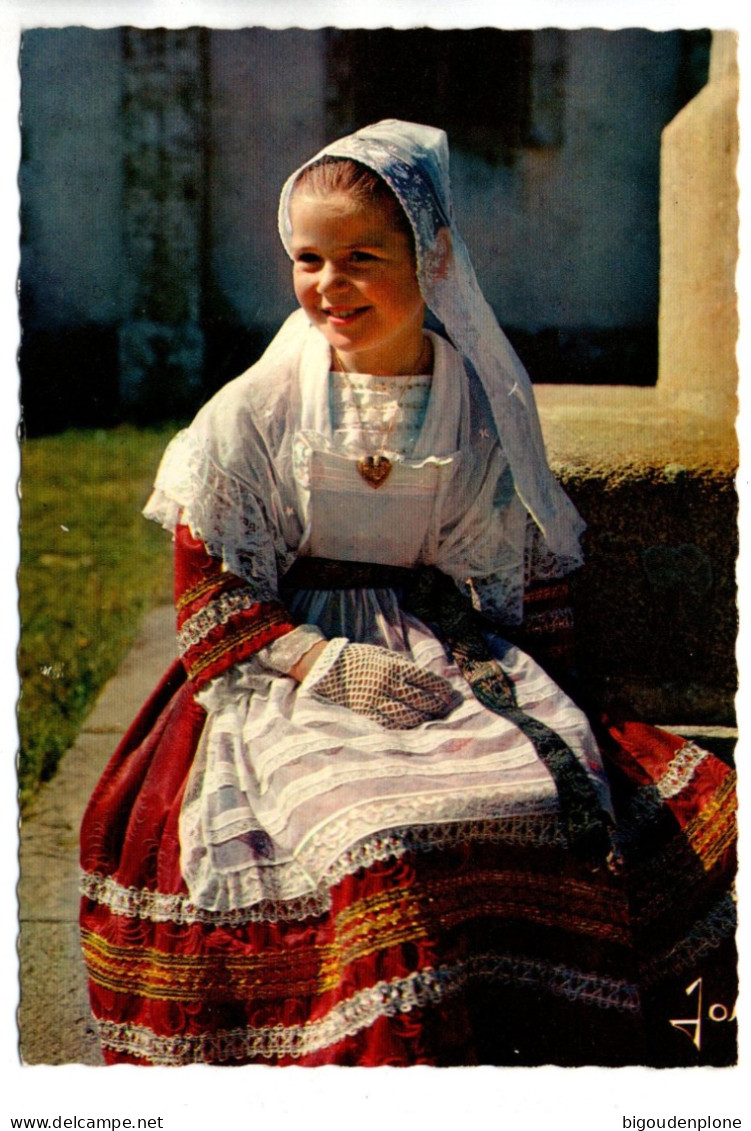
(413, 160)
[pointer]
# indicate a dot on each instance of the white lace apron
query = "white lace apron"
(289, 792)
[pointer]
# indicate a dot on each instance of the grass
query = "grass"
(90, 566)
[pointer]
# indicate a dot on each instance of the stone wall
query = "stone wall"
(653, 470)
(699, 246)
(151, 268)
(164, 126)
(573, 239)
(655, 604)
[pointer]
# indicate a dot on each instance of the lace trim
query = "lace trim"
(540, 562)
(353, 840)
(217, 613)
(285, 652)
(224, 513)
(162, 907)
(646, 805)
(385, 999)
(680, 770)
(246, 637)
(367, 415)
(499, 596)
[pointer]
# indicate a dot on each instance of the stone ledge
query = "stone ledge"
(655, 605)
(614, 430)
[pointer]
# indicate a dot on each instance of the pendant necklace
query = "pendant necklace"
(375, 467)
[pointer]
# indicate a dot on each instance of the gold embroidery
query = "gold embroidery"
(234, 639)
(203, 587)
(307, 970)
(713, 830)
(548, 900)
(178, 977)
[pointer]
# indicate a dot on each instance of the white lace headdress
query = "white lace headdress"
(413, 160)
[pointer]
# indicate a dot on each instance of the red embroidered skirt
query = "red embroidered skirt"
(473, 952)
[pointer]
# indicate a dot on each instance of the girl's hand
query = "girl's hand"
(305, 663)
(385, 687)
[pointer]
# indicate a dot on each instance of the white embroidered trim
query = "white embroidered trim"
(549, 621)
(161, 907)
(221, 510)
(284, 653)
(364, 1008)
(706, 934)
(540, 563)
(217, 613)
(646, 804)
(680, 770)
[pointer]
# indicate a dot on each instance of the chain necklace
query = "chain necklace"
(375, 467)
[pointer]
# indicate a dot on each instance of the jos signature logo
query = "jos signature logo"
(691, 1026)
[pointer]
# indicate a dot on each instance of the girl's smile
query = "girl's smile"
(341, 316)
(354, 276)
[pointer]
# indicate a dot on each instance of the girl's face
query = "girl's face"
(355, 278)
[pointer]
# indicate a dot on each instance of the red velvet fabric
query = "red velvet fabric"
(695, 789)
(221, 623)
(480, 952)
(519, 925)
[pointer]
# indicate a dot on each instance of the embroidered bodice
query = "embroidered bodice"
(372, 414)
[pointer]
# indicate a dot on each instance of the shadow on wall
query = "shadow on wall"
(70, 375)
(151, 272)
(70, 378)
(623, 356)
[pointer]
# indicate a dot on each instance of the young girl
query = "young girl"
(354, 824)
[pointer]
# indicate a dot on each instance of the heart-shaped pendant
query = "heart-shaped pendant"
(375, 470)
